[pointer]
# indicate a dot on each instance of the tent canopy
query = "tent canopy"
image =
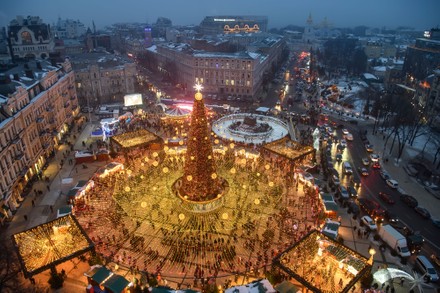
(287, 287)
(99, 274)
(116, 283)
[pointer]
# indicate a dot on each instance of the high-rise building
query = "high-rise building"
(424, 56)
(37, 106)
(30, 38)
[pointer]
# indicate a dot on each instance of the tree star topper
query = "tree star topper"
(198, 87)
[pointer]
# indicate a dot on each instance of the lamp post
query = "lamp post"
(372, 252)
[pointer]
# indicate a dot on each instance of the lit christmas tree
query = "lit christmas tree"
(200, 181)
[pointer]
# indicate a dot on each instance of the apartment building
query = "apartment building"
(38, 104)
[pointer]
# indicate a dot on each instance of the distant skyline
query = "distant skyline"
(420, 15)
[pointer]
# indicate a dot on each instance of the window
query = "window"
(26, 38)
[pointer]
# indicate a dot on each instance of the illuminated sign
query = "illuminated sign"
(224, 19)
(427, 34)
(132, 100)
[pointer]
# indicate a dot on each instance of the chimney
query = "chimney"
(29, 73)
(16, 77)
(39, 65)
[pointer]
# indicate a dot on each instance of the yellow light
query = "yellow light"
(271, 184)
(165, 170)
(143, 204)
(198, 87)
(257, 201)
(127, 189)
(267, 167)
(155, 163)
(213, 175)
(155, 155)
(189, 178)
(181, 217)
(232, 170)
(225, 216)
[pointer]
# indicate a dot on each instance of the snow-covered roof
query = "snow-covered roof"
(380, 68)
(369, 76)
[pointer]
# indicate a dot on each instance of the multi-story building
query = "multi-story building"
(37, 106)
(30, 38)
(423, 57)
(377, 49)
(212, 25)
(102, 78)
(433, 99)
(235, 74)
(69, 29)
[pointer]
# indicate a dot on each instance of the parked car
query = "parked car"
(384, 175)
(344, 131)
(353, 208)
(426, 268)
(409, 200)
(434, 190)
(369, 223)
(376, 165)
(343, 143)
(386, 197)
(349, 137)
(436, 222)
(369, 148)
(423, 212)
(342, 191)
(352, 191)
(435, 259)
(365, 161)
(363, 171)
(392, 183)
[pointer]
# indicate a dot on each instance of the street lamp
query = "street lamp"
(372, 252)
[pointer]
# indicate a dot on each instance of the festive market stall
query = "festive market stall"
(135, 140)
(50, 244)
(322, 264)
(290, 150)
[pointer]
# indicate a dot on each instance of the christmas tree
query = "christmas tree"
(200, 181)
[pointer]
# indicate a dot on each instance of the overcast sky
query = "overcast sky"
(419, 14)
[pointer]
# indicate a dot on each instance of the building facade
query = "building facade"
(37, 107)
(102, 78)
(236, 75)
(212, 25)
(423, 57)
(69, 29)
(30, 38)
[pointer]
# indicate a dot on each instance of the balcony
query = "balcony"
(44, 133)
(49, 109)
(19, 156)
(40, 119)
